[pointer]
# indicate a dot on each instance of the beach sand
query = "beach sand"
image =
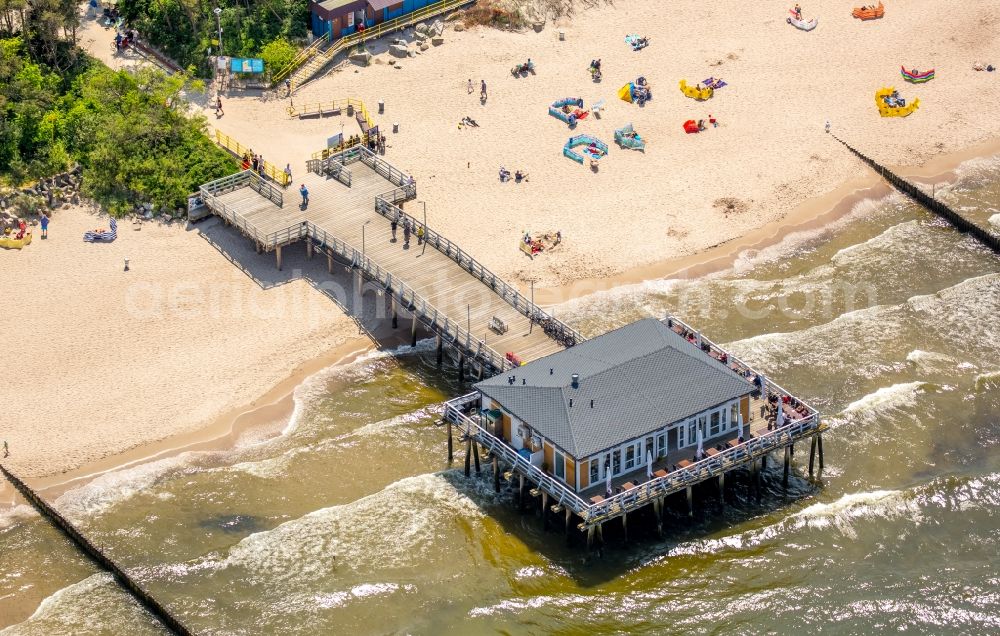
(101, 361)
(768, 154)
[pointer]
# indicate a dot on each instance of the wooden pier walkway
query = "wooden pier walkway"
(353, 199)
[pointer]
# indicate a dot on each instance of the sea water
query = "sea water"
(352, 521)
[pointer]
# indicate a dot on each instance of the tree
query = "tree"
(278, 54)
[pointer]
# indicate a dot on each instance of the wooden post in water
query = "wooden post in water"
(722, 488)
(590, 540)
(413, 329)
(329, 262)
(600, 539)
(788, 461)
(625, 526)
(569, 518)
(277, 255)
(468, 454)
(440, 349)
(819, 445)
(545, 510)
(520, 493)
(812, 455)
(451, 444)
(475, 455)
(461, 367)
(309, 249)
(496, 472)
(658, 513)
(394, 311)
(690, 498)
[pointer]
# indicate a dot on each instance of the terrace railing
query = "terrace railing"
(333, 107)
(563, 495)
(332, 167)
(301, 58)
(385, 204)
(450, 331)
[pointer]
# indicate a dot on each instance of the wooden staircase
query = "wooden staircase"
(319, 54)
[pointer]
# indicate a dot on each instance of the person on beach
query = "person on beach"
(470, 86)
(393, 225)
(288, 86)
(482, 90)
(218, 107)
(44, 221)
(288, 172)
(6, 450)
(798, 11)
(305, 195)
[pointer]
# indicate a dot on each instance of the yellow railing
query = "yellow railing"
(384, 28)
(239, 150)
(326, 152)
(319, 108)
(301, 58)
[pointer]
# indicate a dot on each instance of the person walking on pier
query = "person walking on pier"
(393, 225)
(420, 235)
(305, 195)
(406, 234)
(288, 173)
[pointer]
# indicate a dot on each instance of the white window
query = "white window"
(595, 473)
(661, 445)
(630, 456)
(722, 414)
(716, 426)
(734, 420)
(692, 434)
(616, 461)
(560, 465)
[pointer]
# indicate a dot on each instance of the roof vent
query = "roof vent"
(571, 403)
(524, 381)
(551, 371)
(576, 380)
(510, 379)
(591, 404)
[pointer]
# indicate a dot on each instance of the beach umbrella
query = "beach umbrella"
(739, 422)
(607, 480)
(780, 420)
(697, 338)
(649, 464)
(701, 449)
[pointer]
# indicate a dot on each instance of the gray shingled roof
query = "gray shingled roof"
(641, 377)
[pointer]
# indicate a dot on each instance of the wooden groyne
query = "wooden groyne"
(920, 197)
(97, 555)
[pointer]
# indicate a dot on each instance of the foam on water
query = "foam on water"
(391, 528)
(889, 398)
(995, 221)
(95, 605)
(15, 514)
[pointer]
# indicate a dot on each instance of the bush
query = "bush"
(278, 54)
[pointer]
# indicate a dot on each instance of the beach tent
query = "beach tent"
(626, 137)
(102, 237)
(690, 126)
(916, 77)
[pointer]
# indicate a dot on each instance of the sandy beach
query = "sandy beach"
(112, 360)
(768, 154)
(118, 366)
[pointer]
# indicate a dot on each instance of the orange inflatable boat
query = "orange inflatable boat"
(869, 12)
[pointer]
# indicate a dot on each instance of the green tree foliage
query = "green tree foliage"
(128, 131)
(184, 29)
(277, 54)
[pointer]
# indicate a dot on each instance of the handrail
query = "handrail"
(300, 58)
(330, 166)
(378, 30)
(449, 330)
(562, 493)
(239, 150)
(332, 106)
(555, 328)
(265, 189)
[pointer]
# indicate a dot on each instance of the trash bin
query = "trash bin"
(350, 110)
(395, 127)
(562, 35)
(381, 107)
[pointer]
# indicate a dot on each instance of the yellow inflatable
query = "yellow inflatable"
(696, 93)
(885, 110)
(11, 243)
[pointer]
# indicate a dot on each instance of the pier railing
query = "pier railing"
(238, 150)
(563, 495)
(450, 330)
(331, 166)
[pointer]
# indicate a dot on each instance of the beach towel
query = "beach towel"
(635, 41)
(713, 83)
(102, 237)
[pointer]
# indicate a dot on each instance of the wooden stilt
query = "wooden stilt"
(600, 538)
(812, 455)
(520, 493)
(819, 445)
(658, 513)
(590, 540)
(309, 249)
(277, 255)
(791, 450)
(413, 330)
(480, 372)
(461, 367)
(625, 526)
(569, 518)
(722, 488)
(496, 473)
(468, 455)
(788, 462)
(545, 510)
(763, 462)
(475, 455)
(394, 311)
(329, 263)
(451, 444)
(440, 348)
(690, 498)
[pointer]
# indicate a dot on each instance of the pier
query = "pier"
(355, 198)
(761, 432)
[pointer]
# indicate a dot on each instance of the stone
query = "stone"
(412, 53)
(437, 28)
(76, 199)
(397, 50)
(364, 58)
(422, 37)
(437, 41)
(424, 46)
(422, 29)
(459, 26)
